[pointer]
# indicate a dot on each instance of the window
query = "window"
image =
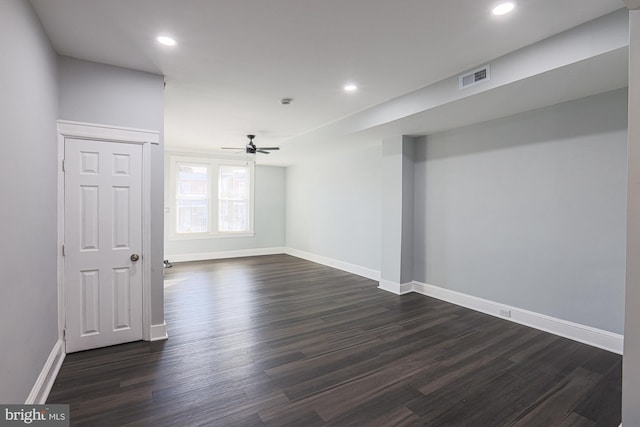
(233, 199)
(192, 198)
(196, 211)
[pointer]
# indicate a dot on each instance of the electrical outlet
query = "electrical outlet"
(505, 312)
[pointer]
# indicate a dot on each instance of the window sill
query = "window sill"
(203, 236)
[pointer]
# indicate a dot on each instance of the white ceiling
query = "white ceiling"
(235, 59)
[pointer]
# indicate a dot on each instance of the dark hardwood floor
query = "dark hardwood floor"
(280, 341)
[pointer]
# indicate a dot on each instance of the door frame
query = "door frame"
(110, 134)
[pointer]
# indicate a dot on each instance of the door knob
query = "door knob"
(135, 257)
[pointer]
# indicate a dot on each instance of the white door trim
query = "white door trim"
(98, 132)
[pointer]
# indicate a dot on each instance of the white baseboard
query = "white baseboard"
(330, 262)
(44, 382)
(158, 332)
(203, 256)
(585, 334)
(395, 288)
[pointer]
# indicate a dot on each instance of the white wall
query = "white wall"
(529, 210)
(28, 113)
(334, 207)
(98, 93)
(269, 223)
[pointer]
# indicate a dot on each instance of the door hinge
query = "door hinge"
(64, 253)
(64, 334)
(63, 165)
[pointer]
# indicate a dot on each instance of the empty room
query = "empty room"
(363, 213)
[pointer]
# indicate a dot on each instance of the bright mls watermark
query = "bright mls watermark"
(34, 415)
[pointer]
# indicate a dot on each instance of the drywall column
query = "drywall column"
(631, 358)
(396, 264)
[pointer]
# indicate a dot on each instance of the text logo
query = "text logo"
(34, 415)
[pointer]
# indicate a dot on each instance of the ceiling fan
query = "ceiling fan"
(251, 148)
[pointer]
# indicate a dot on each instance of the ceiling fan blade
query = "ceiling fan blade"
(269, 148)
(231, 148)
(260, 150)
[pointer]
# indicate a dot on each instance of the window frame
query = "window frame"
(213, 167)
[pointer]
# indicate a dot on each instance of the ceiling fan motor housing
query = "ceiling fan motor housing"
(251, 148)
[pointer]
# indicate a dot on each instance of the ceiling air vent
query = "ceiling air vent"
(474, 77)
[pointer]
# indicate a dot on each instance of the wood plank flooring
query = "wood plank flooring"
(279, 341)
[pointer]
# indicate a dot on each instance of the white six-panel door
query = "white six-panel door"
(103, 243)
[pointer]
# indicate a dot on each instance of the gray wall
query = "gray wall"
(334, 205)
(396, 242)
(28, 188)
(408, 209)
(98, 93)
(631, 360)
(529, 210)
(269, 225)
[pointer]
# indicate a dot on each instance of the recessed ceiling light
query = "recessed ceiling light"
(350, 87)
(503, 9)
(166, 40)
